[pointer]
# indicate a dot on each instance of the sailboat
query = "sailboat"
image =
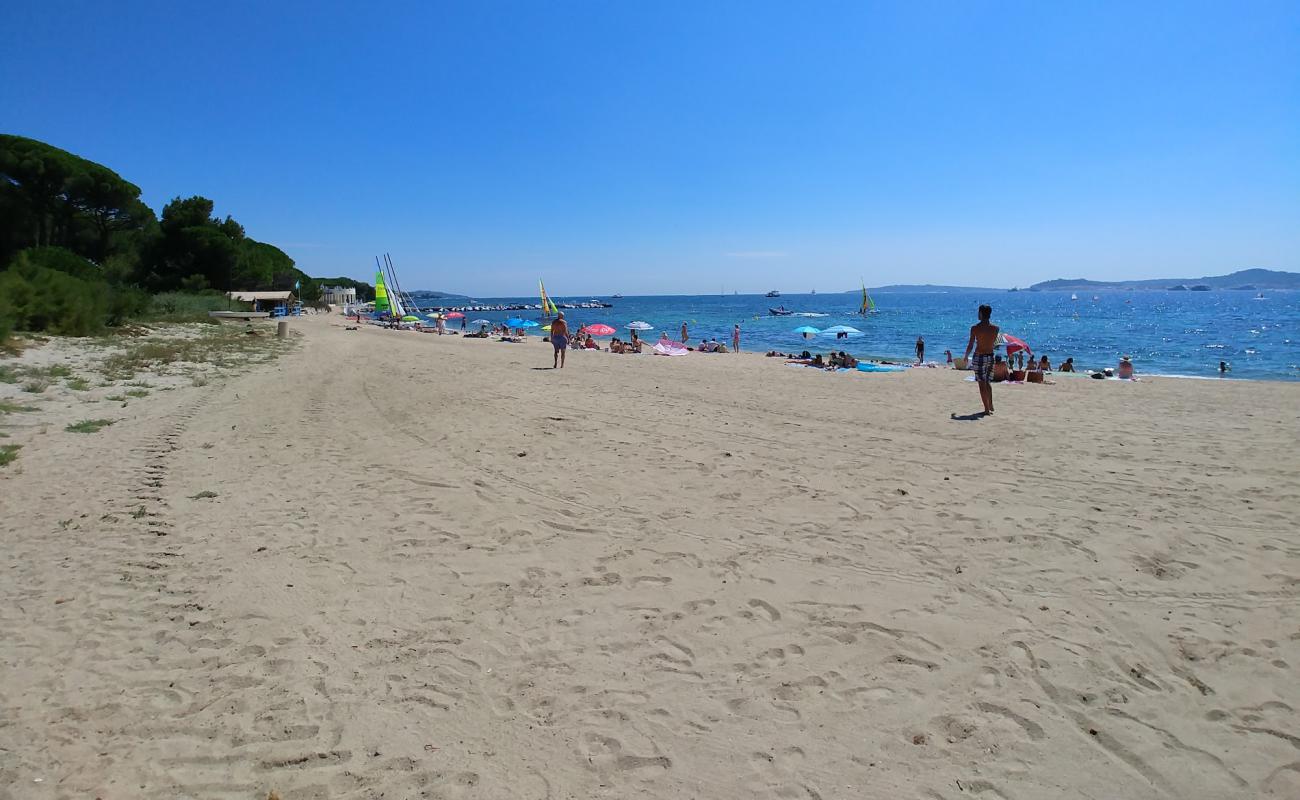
(381, 294)
(868, 305)
(548, 305)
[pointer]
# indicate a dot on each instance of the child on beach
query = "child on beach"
(983, 337)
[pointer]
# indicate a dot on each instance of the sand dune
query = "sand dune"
(433, 570)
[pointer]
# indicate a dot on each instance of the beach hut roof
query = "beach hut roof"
(249, 297)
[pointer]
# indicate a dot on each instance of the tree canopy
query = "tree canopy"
(52, 198)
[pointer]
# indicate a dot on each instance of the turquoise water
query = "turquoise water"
(1170, 333)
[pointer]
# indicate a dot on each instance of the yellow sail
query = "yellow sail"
(868, 305)
(548, 306)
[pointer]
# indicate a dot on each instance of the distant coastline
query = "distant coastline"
(1242, 280)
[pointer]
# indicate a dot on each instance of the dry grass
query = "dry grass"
(89, 425)
(7, 407)
(220, 347)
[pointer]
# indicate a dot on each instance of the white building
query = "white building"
(338, 295)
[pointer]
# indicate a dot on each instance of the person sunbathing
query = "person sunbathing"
(590, 344)
(1044, 365)
(1000, 371)
(1125, 370)
(848, 360)
(1067, 365)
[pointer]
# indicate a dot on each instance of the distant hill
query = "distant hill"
(1243, 279)
(429, 294)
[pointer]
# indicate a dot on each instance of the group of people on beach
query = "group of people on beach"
(561, 341)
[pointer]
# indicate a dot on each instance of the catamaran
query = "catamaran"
(868, 305)
(548, 305)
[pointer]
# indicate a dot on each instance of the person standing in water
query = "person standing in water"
(983, 337)
(684, 336)
(920, 350)
(559, 339)
(735, 338)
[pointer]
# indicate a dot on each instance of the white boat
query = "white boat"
(1074, 297)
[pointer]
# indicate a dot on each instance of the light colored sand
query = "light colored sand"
(434, 571)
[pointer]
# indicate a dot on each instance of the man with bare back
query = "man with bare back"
(983, 337)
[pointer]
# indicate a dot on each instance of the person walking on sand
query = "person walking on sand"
(983, 337)
(920, 350)
(559, 339)
(685, 338)
(735, 338)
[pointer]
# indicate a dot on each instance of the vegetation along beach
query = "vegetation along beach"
(605, 401)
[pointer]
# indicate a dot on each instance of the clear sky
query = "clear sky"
(662, 147)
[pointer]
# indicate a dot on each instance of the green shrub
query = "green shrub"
(44, 299)
(51, 290)
(8, 452)
(189, 306)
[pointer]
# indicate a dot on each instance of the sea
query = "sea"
(1175, 333)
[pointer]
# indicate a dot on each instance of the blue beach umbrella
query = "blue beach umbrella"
(808, 331)
(841, 329)
(516, 322)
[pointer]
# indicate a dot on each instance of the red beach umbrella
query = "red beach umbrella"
(600, 330)
(455, 315)
(1014, 343)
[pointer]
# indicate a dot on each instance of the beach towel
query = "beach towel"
(669, 348)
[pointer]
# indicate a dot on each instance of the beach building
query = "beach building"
(265, 301)
(339, 295)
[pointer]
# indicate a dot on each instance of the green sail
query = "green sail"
(381, 294)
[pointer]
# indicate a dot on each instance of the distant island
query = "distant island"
(1246, 279)
(1243, 280)
(430, 294)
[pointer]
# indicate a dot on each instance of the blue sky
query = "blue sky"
(658, 147)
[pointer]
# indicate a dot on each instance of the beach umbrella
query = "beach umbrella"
(481, 322)
(600, 329)
(528, 323)
(808, 331)
(1014, 344)
(455, 315)
(841, 329)
(517, 322)
(640, 326)
(409, 318)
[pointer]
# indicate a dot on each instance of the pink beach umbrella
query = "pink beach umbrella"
(1014, 344)
(600, 329)
(455, 315)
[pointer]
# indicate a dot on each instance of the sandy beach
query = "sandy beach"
(400, 565)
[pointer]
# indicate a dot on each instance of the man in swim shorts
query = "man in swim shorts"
(559, 339)
(984, 338)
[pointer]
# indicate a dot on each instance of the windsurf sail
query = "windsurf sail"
(548, 305)
(868, 305)
(381, 295)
